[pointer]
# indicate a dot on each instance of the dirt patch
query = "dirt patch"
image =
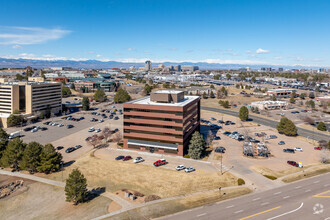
(114, 207)
(4, 180)
(149, 180)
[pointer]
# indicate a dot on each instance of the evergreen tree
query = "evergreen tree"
(72, 86)
(302, 96)
(243, 113)
(273, 98)
(147, 89)
(204, 95)
(212, 86)
(212, 95)
(31, 157)
(85, 103)
(66, 92)
(321, 126)
(76, 187)
(122, 96)
(3, 141)
(50, 160)
(311, 95)
(13, 153)
(14, 119)
(196, 146)
(287, 127)
(292, 100)
(99, 96)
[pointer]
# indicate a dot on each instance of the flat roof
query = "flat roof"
(168, 91)
(146, 101)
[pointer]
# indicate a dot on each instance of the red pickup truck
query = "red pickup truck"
(160, 162)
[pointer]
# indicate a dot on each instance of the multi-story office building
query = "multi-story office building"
(32, 97)
(162, 122)
(147, 65)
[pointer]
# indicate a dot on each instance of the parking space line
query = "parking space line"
(266, 203)
(239, 211)
(259, 213)
(297, 187)
(201, 215)
(277, 193)
(229, 206)
(317, 181)
(255, 199)
(285, 197)
(308, 190)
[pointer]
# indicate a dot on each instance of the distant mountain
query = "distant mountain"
(96, 64)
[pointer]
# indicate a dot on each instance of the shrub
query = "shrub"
(240, 181)
(186, 156)
(270, 177)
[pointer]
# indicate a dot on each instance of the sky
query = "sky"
(278, 32)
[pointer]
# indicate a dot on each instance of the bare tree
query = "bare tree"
(209, 138)
(309, 120)
(325, 156)
(324, 105)
(94, 140)
(117, 137)
(107, 133)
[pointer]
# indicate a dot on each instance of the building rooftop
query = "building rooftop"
(168, 91)
(146, 101)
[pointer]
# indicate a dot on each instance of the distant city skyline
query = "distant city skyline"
(225, 32)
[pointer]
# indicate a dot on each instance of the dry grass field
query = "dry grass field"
(149, 180)
(308, 173)
(278, 173)
(43, 201)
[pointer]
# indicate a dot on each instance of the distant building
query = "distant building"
(177, 68)
(147, 65)
(284, 93)
(280, 69)
(162, 122)
(270, 105)
(161, 66)
(189, 68)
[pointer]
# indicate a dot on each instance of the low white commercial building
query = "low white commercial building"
(270, 105)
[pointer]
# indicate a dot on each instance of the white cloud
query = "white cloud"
(26, 55)
(29, 35)
(262, 51)
(17, 46)
(248, 52)
(98, 55)
(278, 58)
(299, 59)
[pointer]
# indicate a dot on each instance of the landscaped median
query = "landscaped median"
(184, 203)
(313, 171)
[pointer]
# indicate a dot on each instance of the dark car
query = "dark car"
(227, 133)
(111, 117)
(69, 126)
(44, 129)
(28, 129)
(127, 158)
(220, 149)
(119, 157)
(70, 149)
(116, 129)
(293, 163)
(116, 118)
(216, 138)
(77, 146)
(81, 118)
(59, 148)
(228, 123)
(281, 143)
(221, 122)
(289, 150)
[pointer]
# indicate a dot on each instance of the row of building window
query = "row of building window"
(152, 111)
(153, 118)
(149, 139)
(155, 126)
(154, 133)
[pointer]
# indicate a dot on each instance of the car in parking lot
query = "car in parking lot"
(101, 120)
(227, 133)
(288, 150)
(91, 129)
(272, 136)
(44, 129)
(60, 125)
(180, 167)
(138, 160)
(93, 119)
(97, 130)
(70, 149)
(228, 123)
(317, 148)
(127, 158)
(59, 148)
(111, 117)
(189, 169)
(69, 126)
(77, 146)
(160, 162)
(293, 163)
(119, 157)
(216, 138)
(221, 122)
(298, 149)
(116, 118)
(220, 149)
(213, 119)
(27, 129)
(281, 143)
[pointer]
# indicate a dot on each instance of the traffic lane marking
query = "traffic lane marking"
(277, 193)
(255, 199)
(322, 193)
(200, 215)
(239, 211)
(287, 212)
(259, 213)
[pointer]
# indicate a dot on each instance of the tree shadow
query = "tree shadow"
(69, 163)
(94, 193)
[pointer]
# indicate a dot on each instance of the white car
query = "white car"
(91, 129)
(180, 167)
(138, 160)
(60, 125)
(282, 113)
(98, 130)
(189, 169)
(298, 149)
(101, 120)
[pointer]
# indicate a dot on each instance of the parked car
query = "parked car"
(228, 123)
(293, 163)
(216, 138)
(27, 129)
(160, 162)
(91, 129)
(317, 148)
(69, 126)
(77, 146)
(101, 120)
(60, 125)
(221, 122)
(227, 133)
(119, 157)
(111, 117)
(189, 169)
(298, 149)
(98, 130)
(116, 118)
(44, 129)
(288, 150)
(138, 160)
(281, 143)
(127, 158)
(59, 148)
(213, 119)
(180, 167)
(220, 149)
(272, 136)
(70, 149)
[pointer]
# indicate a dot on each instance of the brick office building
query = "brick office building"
(162, 122)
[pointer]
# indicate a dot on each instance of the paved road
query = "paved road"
(306, 199)
(271, 123)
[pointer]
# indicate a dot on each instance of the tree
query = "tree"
(224, 104)
(85, 103)
(237, 86)
(14, 119)
(321, 126)
(216, 77)
(310, 103)
(243, 113)
(66, 92)
(31, 157)
(311, 95)
(212, 95)
(147, 89)
(302, 95)
(309, 120)
(12, 156)
(224, 91)
(3, 141)
(19, 77)
(212, 86)
(117, 137)
(273, 98)
(196, 146)
(287, 127)
(99, 96)
(94, 140)
(253, 79)
(107, 133)
(204, 95)
(228, 76)
(76, 187)
(173, 86)
(72, 86)
(42, 115)
(122, 96)
(292, 100)
(50, 160)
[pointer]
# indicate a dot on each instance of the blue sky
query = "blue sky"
(284, 32)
